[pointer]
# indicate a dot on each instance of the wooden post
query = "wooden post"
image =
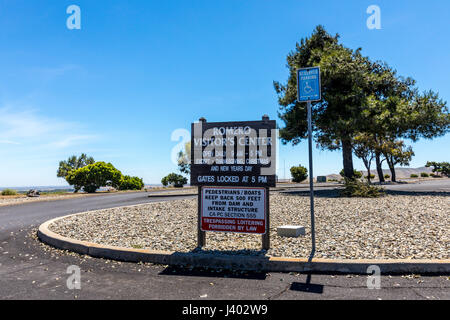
(201, 235)
(266, 236)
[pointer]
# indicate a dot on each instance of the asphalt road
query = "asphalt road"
(29, 214)
(32, 270)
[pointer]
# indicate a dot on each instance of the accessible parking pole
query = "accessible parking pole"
(311, 181)
(309, 89)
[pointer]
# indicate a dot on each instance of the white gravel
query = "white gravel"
(391, 227)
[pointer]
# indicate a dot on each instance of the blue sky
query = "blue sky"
(139, 70)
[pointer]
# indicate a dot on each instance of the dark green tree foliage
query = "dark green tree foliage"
(336, 119)
(395, 110)
(440, 167)
(356, 174)
(131, 183)
(93, 176)
(73, 163)
(175, 180)
(299, 174)
(359, 97)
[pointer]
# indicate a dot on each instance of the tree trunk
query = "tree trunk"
(367, 165)
(347, 154)
(393, 178)
(392, 168)
(379, 168)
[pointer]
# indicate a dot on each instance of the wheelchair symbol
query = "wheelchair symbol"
(307, 88)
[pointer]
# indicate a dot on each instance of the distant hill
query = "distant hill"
(401, 173)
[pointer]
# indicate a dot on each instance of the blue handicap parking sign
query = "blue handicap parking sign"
(308, 81)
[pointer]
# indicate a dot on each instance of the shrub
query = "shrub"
(414, 176)
(372, 176)
(356, 174)
(9, 192)
(299, 174)
(94, 176)
(356, 188)
(386, 176)
(174, 179)
(131, 183)
(424, 175)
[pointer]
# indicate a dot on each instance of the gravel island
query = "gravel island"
(390, 227)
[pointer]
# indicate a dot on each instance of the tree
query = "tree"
(93, 176)
(395, 152)
(174, 179)
(184, 159)
(359, 96)
(73, 163)
(440, 167)
(396, 110)
(131, 183)
(299, 174)
(337, 118)
(363, 146)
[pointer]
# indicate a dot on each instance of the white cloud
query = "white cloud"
(25, 126)
(32, 144)
(8, 142)
(46, 74)
(72, 140)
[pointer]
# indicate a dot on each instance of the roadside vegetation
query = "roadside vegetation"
(83, 173)
(360, 189)
(174, 180)
(9, 192)
(299, 174)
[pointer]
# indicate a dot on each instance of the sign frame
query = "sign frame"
(317, 96)
(264, 196)
(265, 238)
(206, 171)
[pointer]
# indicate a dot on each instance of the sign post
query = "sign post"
(309, 89)
(233, 164)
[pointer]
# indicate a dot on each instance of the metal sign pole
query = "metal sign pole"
(311, 180)
(266, 236)
(201, 235)
(309, 89)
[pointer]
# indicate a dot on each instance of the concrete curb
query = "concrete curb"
(248, 263)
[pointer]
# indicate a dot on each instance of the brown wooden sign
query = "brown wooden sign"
(234, 153)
